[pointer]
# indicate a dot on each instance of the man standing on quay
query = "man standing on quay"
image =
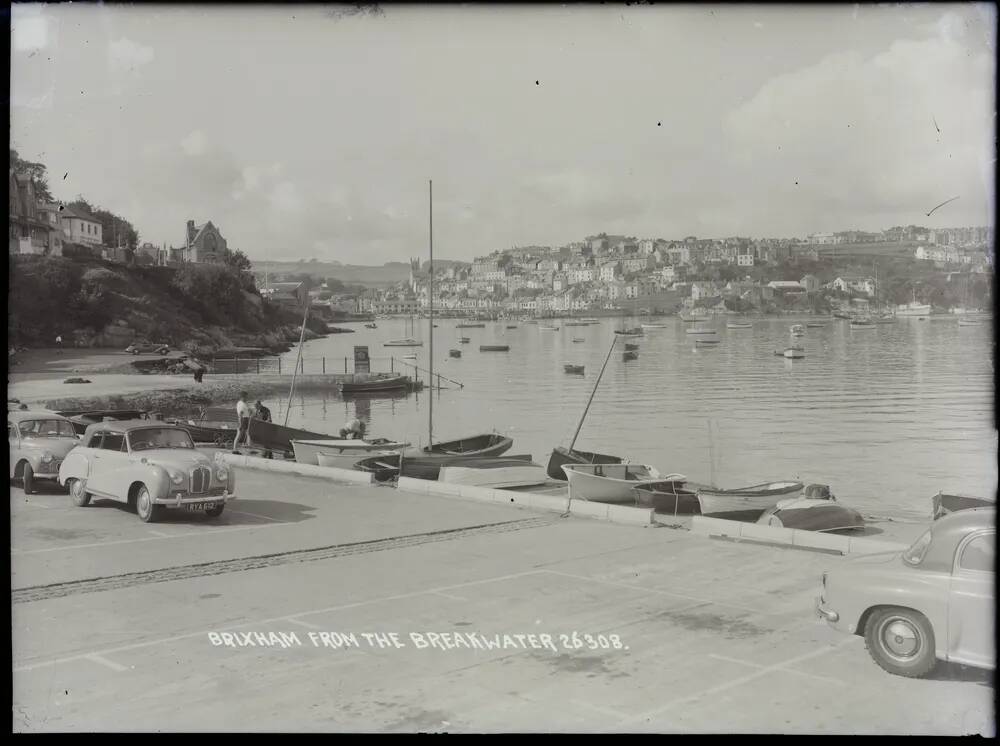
(243, 414)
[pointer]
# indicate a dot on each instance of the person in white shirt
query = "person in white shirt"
(243, 414)
(353, 429)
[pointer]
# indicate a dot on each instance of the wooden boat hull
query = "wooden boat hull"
(809, 514)
(489, 444)
(374, 384)
(630, 356)
(561, 456)
(739, 326)
(575, 369)
(942, 504)
(470, 326)
(706, 341)
(424, 466)
(631, 347)
(746, 503)
(454, 353)
(607, 483)
(83, 419)
(220, 434)
(676, 497)
(342, 453)
(274, 437)
(494, 348)
(501, 473)
(699, 331)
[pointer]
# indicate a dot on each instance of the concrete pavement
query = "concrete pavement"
(118, 625)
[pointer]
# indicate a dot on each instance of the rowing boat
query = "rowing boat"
(488, 444)
(342, 453)
(609, 483)
(746, 502)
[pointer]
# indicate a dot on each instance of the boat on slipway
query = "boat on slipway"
(497, 473)
(610, 483)
(428, 466)
(488, 444)
(676, 496)
(745, 503)
(342, 453)
(815, 510)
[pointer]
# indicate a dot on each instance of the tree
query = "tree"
(37, 173)
(237, 260)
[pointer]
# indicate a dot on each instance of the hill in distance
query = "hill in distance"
(389, 273)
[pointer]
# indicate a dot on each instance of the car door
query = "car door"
(971, 601)
(108, 459)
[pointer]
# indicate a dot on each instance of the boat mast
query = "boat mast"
(591, 399)
(298, 359)
(430, 398)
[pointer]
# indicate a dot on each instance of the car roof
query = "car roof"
(127, 426)
(20, 415)
(947, 532)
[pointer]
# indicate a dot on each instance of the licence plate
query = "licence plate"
(201, 506)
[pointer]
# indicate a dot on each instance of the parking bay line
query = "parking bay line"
(147, 538)
(751, 664)
(283, 618)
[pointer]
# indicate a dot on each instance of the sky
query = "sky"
(312, 132)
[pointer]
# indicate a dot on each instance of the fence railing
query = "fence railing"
(275, 365)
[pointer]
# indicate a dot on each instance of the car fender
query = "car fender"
(154, 476)
(76, 465)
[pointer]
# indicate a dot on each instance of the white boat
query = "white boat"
(863, 324)
(699, 330)
(969, 322)
(609, 483)
(797, 330)
(914, 309)
(707, 341)
(746, 502)
(591, 321)
(653, 326)
(738, 325)
(505, 473)
(341, 453)
(408, 342)
(794, 353)
(548, 328)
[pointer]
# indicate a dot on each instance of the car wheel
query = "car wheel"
(164, 351)
(215, 512)
(144, 507)
(901, 641)
(81, 498)
(28, 479)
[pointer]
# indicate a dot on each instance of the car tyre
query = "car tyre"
(144, 507)
(135, 352)
(901, 641)
(28, 479)
(215, 512)
(81, 498)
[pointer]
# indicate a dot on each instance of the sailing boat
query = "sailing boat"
(487, 444)
(913, 308)
(635, 331)
(561, 456)
(405, 342)
(882, 315)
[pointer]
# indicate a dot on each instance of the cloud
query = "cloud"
(854, 136)
(30, 29)
(196, 143)
(125, 56)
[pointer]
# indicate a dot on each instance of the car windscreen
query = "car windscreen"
(46, 429)
(159, 437)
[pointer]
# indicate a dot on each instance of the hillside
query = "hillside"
(94, 303)
(388, 274)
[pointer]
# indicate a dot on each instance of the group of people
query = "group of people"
(355, 429)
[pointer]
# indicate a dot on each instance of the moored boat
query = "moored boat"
(576, 323)
(700, 330)
(487, 444)
(579, 339)
(494, 348)
(676, 496)
(797, 330)
(573, 368)
(464, 340)
(454, 353)
(408, 342)
(498, 473)
(371, 326)
(381, 383)
(862, 324)
(815, 510)
(706, 341)
(562, 456)
(609, 483)
(512, 326)
(653, 326)
(635, 331)
(549, 328)
(815, 325)
(942, 504)
(630, 355)
(424, 466)
(631, 346)
(969, 322)
(746, 503)
(738, 325)
(342, 453)
(470, 326)
(792, 353)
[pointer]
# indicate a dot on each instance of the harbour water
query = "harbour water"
(887, 417)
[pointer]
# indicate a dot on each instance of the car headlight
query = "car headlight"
(176, 477)
(46, 457)
(221, 473)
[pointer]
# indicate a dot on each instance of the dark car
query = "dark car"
(139, 348)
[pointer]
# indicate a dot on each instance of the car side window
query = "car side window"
(979, 554)
(94, 441)
(11, 432)
(113, 442)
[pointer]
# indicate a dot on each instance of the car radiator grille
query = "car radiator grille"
(200, 479)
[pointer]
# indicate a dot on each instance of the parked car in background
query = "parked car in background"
(38, 441)
(935, 601)
(140, 348)
(148, 464)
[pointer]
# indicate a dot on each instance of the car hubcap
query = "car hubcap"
(143, 502)
(900, 638)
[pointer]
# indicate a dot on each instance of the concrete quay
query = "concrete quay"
(119, 625)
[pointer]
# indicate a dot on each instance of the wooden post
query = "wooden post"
(324, 365)
(236, 362)
(345, 366)
(279, 365)
(258, 366)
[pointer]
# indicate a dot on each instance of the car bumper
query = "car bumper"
(54, 475)
(824, 612)
(180, 499)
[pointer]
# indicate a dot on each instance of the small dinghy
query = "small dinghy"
(706, 341)
(424, 466)
(512, 326)
(797, 330)
(610, 483)
(635, 331)
(792, 353)
(374, 383)
(575, 369)
(631, 347)
(342, 453)
(494, 348)
(549, 328)
(738, 325)
(942, 504)
(630, 355)
(464, 340)
(578, 339)
(562, 456)
(745, 503)
(470, 326)
(816, 510)
(815, 325)
(488, 444)
(498, 473)
(653, 326)
(408, 342)
(969, 322)
(699, 330)
(455, 353)
(371, 326)
(678, 497)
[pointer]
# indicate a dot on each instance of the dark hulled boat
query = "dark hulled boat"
(428, 466)
(631, 347)
(630, 355)
(816, 510)
(488, 444)
(678, 497)
(82, 419)
(575, 369)
(942, 504)
(494, 348)
(382, 383)
(562, 456)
